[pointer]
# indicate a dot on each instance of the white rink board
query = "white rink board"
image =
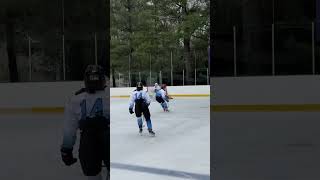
(55, 94)
(179, 90)
(265, 90)
(37, 94)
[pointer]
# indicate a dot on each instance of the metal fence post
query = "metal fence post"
(313, 51)
(235, 50)
(171, 71)
(273, 56)
(119, 80)
(29, 57)
(63, 59)
(207, 76)
(95, 49)
(195, 68)
(129, 70)
(63, 45)
(183, 77)
(150, 70)
(195, 77)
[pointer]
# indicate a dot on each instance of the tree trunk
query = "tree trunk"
(10, 38)
(107, 47)
(113, 78)
(187, 59)
(130, 30)
(187, 46)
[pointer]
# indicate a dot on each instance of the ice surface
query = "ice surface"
(30, 144)
(30, 148)
(266, 146)
(180, 150)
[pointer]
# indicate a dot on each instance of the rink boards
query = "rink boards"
(227, 94)
(50, 97)
(266, 94)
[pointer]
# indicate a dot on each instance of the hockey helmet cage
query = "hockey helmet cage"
(94, 78)
(139, 86)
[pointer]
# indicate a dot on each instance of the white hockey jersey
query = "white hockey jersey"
(80, 107)
(160, 93)
(139, 95)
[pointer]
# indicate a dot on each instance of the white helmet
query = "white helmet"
(156, 86)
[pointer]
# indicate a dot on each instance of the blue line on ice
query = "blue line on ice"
(158, 171)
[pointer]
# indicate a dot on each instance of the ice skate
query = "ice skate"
(152, 133)
(165, 110)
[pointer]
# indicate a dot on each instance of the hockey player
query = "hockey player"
(164, 87)
(88, 111)
(140, 100)
(161, 97)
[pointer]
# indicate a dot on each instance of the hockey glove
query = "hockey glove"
(67, 156)
(131, 111)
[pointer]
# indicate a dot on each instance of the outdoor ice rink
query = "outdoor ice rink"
(180, 150)
(30, 144)
(245, 146)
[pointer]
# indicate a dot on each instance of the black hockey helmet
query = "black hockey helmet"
(94, 78)
(139, 86)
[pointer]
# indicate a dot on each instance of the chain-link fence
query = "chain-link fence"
(263, 50)
(168, 67)
(200, 76)
(52, 40)
(53, 57)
